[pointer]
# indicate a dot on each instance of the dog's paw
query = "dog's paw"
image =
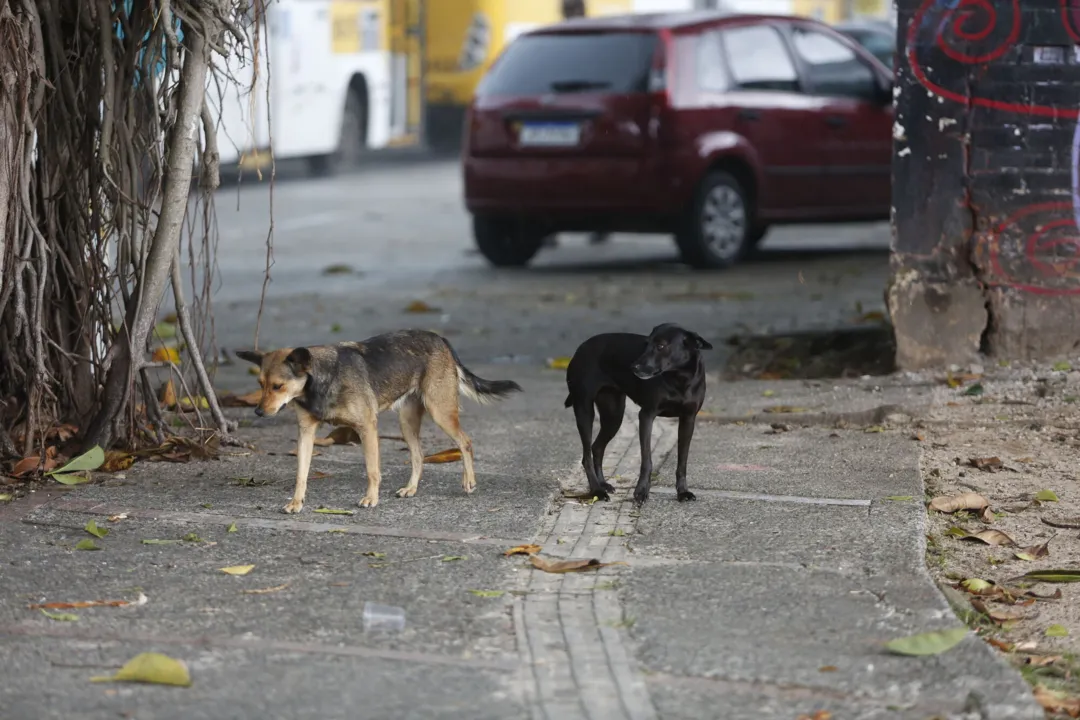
(601, 494)
(369, 501)
(608, 487)
(686, 495)
(407, 491)
(468, 485)
(292, 507)
(640, 496)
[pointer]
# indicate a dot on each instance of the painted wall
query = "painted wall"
(986, 188)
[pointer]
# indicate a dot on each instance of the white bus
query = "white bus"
(334, 77)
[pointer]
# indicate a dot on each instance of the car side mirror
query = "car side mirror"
(883, 91)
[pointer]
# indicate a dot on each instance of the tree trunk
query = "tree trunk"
(130, 346)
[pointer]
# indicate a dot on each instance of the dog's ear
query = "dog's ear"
(699, 342)
(299, 361)
(252, 356)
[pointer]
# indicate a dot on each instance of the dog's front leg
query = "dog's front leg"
(305, 445)
(369, 436)
(645, 422)
(686, 434)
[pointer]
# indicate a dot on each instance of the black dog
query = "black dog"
(663, 373)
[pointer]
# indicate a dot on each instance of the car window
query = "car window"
(758, 59)
(611, 62)
(880, 45)
(832, 68)
(710, 69)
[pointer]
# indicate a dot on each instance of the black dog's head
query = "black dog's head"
(669, 347)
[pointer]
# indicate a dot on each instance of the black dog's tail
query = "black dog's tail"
(475, 387)
(569, 401)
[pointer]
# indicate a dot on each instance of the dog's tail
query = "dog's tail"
(568, 401)
(477, 388)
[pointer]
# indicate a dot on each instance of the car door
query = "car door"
(854, 116)
(776, 117)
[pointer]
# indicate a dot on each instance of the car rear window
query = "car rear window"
(610, 62)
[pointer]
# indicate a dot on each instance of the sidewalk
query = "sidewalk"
(770, 597)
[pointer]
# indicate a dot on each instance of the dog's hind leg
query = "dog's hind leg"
(411, 416)
(645, 423)
(444, 411)
(686, 434)
(369, 436)
(583, 413)
(610, 405)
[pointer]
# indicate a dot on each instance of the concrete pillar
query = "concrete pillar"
(986, 193)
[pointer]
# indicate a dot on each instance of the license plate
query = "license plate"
(549, 135)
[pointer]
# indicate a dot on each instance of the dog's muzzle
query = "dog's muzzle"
(259, 411)
(644, 373)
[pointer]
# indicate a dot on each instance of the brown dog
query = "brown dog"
(350, 383)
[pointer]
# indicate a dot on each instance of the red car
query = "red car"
(709, 126)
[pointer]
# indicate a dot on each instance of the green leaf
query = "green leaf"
(488, 593)
(874, 429)
(70, 479)
(93, 529)
(973, 390)
(151, 668)
(617, 532)
(5, 497)
(231, 528)
(1063, 366)
(1024, 556)
(153, 541)
(931, 643)
(87, 544)
(337, 530)
(976, 585)
(452, 558)
(63, 617)
(192, 537)
(334, 511)
(1046, 496)
(92, 459)
(900, 498)
(1056, 630)
(1053, 576)
(165, 330)
(372, 553)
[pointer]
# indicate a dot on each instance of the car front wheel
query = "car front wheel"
(506, 243)
(717, 231)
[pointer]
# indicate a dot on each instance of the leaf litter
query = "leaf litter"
(153, 668)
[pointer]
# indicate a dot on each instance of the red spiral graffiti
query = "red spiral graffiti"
(1070, 18)
(1039, 259)
(976, 21)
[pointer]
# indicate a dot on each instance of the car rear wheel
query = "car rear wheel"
(718, 230)
(506, 243)
(351, 139)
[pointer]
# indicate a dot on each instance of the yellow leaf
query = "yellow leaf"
(559, 363)
(151, 668)
(444, 456)
(187, 403)
(238, 569)
(419, 306)
(165, 354)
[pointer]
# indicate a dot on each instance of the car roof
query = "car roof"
(880, 26)
(654, 21)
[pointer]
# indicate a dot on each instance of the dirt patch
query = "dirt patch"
(1011, 439)
(846, 353)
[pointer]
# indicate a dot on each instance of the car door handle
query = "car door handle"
(835, 121)
(749, 115)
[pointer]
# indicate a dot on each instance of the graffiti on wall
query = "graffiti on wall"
(1036, 248)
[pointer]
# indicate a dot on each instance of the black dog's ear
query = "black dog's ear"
(252, 356)
(699, 342)
(299, 361)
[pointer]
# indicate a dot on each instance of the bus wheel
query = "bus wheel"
(351, 140)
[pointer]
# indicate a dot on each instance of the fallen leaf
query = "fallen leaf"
(986, 515)
(419, 306)
(559, 363)
(92, 459)
(874, 429)
(1046, 496)
(1001, 644)
(231, 528)
(1041, 660)
(153, 541)
(117, 461)
(340, 436)
(1056, 630)
(339, 269)
(567, 566)
(978, 586)
(973, 390)
(5, 497)
(238, 569)
(828, 668)
(444, 456)
(374, 554)
(151, 668)
(165, 330)
(488, 593)
(189, 403)
(63, 617)
(617, 532)
(1069, 524)
(1057, 702)
(98, 532)
(250, 399)
(768, 393)
(1004, 615)
(523, 550)
(819, 715)
(334, 511)
(452, 558)
(952, 503)
(991, 537)
(1063, 366)
(784, 410)
(955, 381)
(87, 544)
(987, 464)
(141, 600)
(167, 354)
(25, 465)
(265, 591)
(931, 643)
(1035, 551)
(1053, 576)
(71, 478)
(1056, 595)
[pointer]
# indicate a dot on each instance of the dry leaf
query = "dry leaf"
(265, 591)
(444, 456)
(419, 306)
(1056, 595)
(1004, 615)
(931, 643)
(141, 600)
(952, 503)
(567, 566)
(152, 668)
(115, 461)
(250, 399)
(1068, 524)
(1001, 644)
(820, 714)
(989, 464)
(1053, 701)
(991, 537)
(784, 410)
(523, 550)
(559, 363)
(25, 465)
(167, 395)
(340, 436)
(1041, 660)
(238, 569)
(1035, 551)
(167, 354)
(986, 515)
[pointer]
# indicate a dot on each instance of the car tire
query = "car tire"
(717, 232)
(351, 139)
(505, 243)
